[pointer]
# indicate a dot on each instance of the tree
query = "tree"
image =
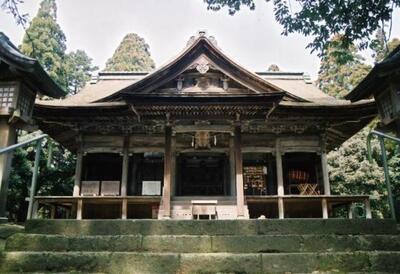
(356, 20)
(380, 47)
(132, 54)
(337, 78)
(350, 172)
(273, 67)
(78, 67)
(72, 70)
(45, 41)
(55, 177)
(11, 7)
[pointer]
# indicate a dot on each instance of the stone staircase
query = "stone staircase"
(224, 246)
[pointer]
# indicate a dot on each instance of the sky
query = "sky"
(251, 38)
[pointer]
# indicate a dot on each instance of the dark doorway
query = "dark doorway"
(202, 174)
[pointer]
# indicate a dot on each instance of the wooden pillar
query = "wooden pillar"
(350, 210)
(7, 138)
(124, 209)
(239, 172)
(281, 208)
(173, 164)
(125, 166)
(52, 211)
(166, 198)
(324, 165)
(367, 205)
(324, 204)
(79, 209)
(232, 166)
(279, 169)
(78, 172)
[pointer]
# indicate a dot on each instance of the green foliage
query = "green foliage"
(337, 77)
(356, 20)
(350, 172)
(78, 67)
(45, 41)
(11, 7)
(380, 47)
(133, 54)
(55, 179)
(273, 67)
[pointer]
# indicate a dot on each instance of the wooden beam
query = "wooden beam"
(79, 209)
(166, 195)
(232, 166)
(324, 204)
(324, 165)
(350, 210)
(368, 213)
(239, 172)
(279, 169)
(7, 138)
(195, 128)
(125, 167)
(78, 172)
(281, 208)
(124, 209)
(173, 165)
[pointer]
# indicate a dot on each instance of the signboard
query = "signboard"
(151, 188)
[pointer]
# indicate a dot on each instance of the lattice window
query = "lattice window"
(386, 106)
(25, 103)
(6, 96)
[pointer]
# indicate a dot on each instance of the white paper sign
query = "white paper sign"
(151, 188)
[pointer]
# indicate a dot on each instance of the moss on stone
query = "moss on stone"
(6, 230)
(204, 227)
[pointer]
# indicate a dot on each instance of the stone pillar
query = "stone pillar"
(7, 137)
(232, 165)
(279, 169)
(239, 172)
(78, 172)
(125, 166)
(166, 195)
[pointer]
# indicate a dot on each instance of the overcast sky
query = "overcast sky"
(252, 38)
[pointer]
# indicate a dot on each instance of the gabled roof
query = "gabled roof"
(29, 68)
(374, 81)
(120, 86)
(199, 47)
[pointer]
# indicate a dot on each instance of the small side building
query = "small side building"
(383, 84)
(201, 137)
(21, 80)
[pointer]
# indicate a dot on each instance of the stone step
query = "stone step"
(205, 243)
(133, 262)
(212, 227)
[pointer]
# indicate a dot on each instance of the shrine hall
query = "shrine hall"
(201, 137)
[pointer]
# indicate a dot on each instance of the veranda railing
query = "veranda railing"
(38, 140)
(381, 137)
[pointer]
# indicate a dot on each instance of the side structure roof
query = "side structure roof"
(376, 78)
(29, 68)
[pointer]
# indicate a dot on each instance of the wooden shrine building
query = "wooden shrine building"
(201, 137)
